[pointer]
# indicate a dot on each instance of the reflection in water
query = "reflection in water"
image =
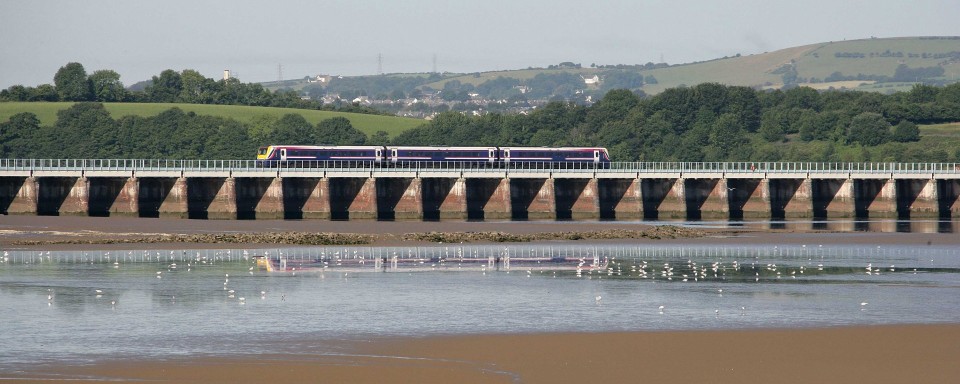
(846, 225)
(84, 305)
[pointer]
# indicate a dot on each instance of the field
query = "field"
(756, 70)
(941, 130)
(368, 124)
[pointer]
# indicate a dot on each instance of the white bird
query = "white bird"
(661, 309)
(598, 298)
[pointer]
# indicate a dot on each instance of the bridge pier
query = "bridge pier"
(663, 199)
(749, 198)
(77, 200)
(19, 196)
(777, 191)
(876, 198)
(949, 194)
(533, 199)
(791, 198)
(489, 199)
(918, 199)
(211, 198)
(577, 199)
(174, 201)
(444, 198)
(113, 196)
(707, 199)
(259, 198)
(399, 199)
(353, 198)
(620, 199)
(306, 198)
(833, 198)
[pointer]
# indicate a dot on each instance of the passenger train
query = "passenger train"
(388, 155)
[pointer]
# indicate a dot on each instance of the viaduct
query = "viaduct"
(218, 189)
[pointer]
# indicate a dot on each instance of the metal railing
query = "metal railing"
(468, 167)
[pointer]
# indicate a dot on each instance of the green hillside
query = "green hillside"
(815, 61)
(368, 124)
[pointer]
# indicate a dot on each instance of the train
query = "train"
(391, 155)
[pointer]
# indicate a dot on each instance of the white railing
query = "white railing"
(470, 167)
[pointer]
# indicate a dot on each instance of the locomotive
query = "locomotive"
(393, 155)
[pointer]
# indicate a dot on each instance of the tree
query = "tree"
(772, 127)
(869, 129)
(728, 140)
(15, 135)
(84, 131)
(905, 132)
(107, 86)
(379, 138)
(293, 129)
(230, 142)
(44, 92)
(196, 89)
(165, 88)
(338, 131)
(802, 97)
(72, 83)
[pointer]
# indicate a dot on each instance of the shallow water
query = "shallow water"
(170, 303)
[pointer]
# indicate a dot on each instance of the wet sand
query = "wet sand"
(20, 228)
(876, 354)
(869, 354)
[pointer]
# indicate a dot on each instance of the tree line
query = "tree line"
(707, 122)
(72, 83)
(86, 130)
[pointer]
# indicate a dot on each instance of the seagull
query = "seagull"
(598, 298)
(661, 309)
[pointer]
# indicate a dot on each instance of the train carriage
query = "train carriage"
(312, 155)
(460, 154)
(345, 156)
(591, 155)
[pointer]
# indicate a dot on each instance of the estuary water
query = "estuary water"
(82, 306)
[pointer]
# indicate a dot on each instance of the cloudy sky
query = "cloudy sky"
(139, 39)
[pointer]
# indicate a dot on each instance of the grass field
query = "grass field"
(368, 124)
(940, 130)
(812, 61)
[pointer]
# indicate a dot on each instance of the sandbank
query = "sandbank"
(859, 354)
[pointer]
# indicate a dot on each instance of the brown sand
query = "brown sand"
(875, 354)
(15, 228)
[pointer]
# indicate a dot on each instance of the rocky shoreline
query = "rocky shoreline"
(325, 238)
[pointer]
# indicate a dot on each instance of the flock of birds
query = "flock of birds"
(685, 272)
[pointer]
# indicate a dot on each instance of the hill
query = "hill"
(368, 124)
(816, 63)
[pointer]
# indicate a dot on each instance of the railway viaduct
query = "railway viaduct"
(434, 191)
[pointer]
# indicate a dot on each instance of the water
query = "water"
(175, 303)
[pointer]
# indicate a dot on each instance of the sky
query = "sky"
(268, 40)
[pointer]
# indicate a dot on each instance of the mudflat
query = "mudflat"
(863, 354)
(16, 229)
(876, 354)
